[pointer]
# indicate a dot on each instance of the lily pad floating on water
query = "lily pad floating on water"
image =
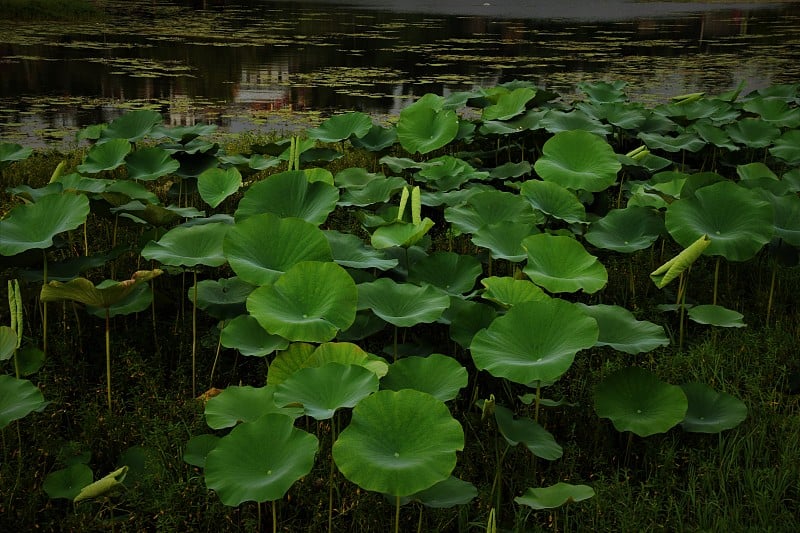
(399, 443)
(711, 411)
(635, 400)
(554, 495)
(260, 460)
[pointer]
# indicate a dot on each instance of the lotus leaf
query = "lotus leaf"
(604, 91)
(18, 398)
(289, 194)
(10, 152)
(67, 482)
(534, 341)
(341, 127)
(578, 160)
(216, 184)
(538, 440)
(351, 252)
(636, 400)
(626, 230)
(562, 264)
(402, 304)
(399, 443)
(620, 329)
(560, 122)
(507, 291)
(32, 226)
(244, 404)
(376, 139)
(554, 495)
(401, 234)
(504, 239)
(452, 272)
(197, 449)
(446, 173)
(509, 105)
(466, 318)
(84, 291)
(716, 315)
(189, 246)
(245, 334)
(132, 126)
(787, 147)
(106, 156)
(753, 132)
(438, 375)
(258, 461)
(425, 126)
(445, 494)
(149, 164)
(491, 207)
(673, 268)
(553, 200)
(8, 342)
(711, 411)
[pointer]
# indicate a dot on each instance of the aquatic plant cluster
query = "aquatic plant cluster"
(465, 265)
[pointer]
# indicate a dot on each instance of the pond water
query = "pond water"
(247, 64)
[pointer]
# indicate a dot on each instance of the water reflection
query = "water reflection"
(245, 64)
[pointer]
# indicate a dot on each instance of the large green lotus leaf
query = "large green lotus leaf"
(688, 141)
(626, 230)
(786, 213)
(620, 329)
(554, 200)
(559, 122)
(245, 334)
(403, 234)
(491, 207)
(341, 127)
(347, 353)
(139, 299)
(312, 301)
(190, 246)
(216, 184)
(438, 375)
(30, 360)
(402, 304)
(561, 264)
(578, 160)
(753, 132)
(716, 315)
(376, 139)
(365, 325)
(84, 291)
(183, 133)
(244, 404)
(8, 342)
(148, 164)
(106, 156)
(18, 398)
(711, 411)
(399, 164)
(755, 171)
(604, 91)
(511, 170)
(534, 341)
(446, 173)
(10, 152)
(737, 220)
(197, 448)
(289, 194)
(259, 461)
(132, 126)
(445, 494)
(466, 318)
(296, 356)
(637, 401)
(32, 226)
(554, 495)
(452, 272)
(322, 390)
(375, 192)
(787, 147)
(504, 239)
(509, 105)
(523, 430)
(222, 298)
(122, 191)
(713, 135)
(425, 126)
(67, 482)
(399, 443)
(628, 116)
(263, 247)
(356, 178)
(351, 252)
(507, 291)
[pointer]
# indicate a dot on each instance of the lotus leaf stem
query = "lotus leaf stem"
(716, 281)
(194, 336)
(771, 292)
(397, 514)
(108, 360)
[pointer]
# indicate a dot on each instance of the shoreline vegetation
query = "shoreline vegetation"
(499, 312)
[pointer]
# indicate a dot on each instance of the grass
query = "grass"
(50, 9)
(745, 479)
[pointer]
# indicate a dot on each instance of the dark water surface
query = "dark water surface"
(247, 64)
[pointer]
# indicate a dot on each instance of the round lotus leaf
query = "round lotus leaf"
(376, 139)
(263, 247)
(554, 495)
(311, 302)
(295, 357)
(245, 334)
(216, 184)
(349, 354)
(504, 239)
(620, 329)
(10, 152)
(509, 105)
(787, 147)
(341, 127)
(402, 304)
(189, 246)
(556, 121)
(446, 173)
(425, 126)
(466, 318)
(67, 482)
(289, 194)
(511, 170)
(716, 315)
(554, 200)
(377, 191)
(604, 91)
(438, 375)
(523, 430)
(259, 461)
(711, 411)
(491, 207)
(401, 234)
(561, 264)
(351, 252)
(149, 164)
(34, 225)
(197, 449)
(399, 443)
(445, 494)
(753, 132)
(786, 213)
(635, 400)
(506, 291)
(454, 273)
(534, 341)
(578, 160)
(322, 390)
(244, 404)
(222, 298)
(737, 220)
(106, 156)
(132, 126)
(626, 230)
(18, 398)
(688, 141)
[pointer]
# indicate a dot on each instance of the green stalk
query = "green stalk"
(771, 292)
(44, 307)
(108, 361)
(274, 517)
(395, 344)
(716, 281)
(330, 476)
(194, 336)
(397, 514)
